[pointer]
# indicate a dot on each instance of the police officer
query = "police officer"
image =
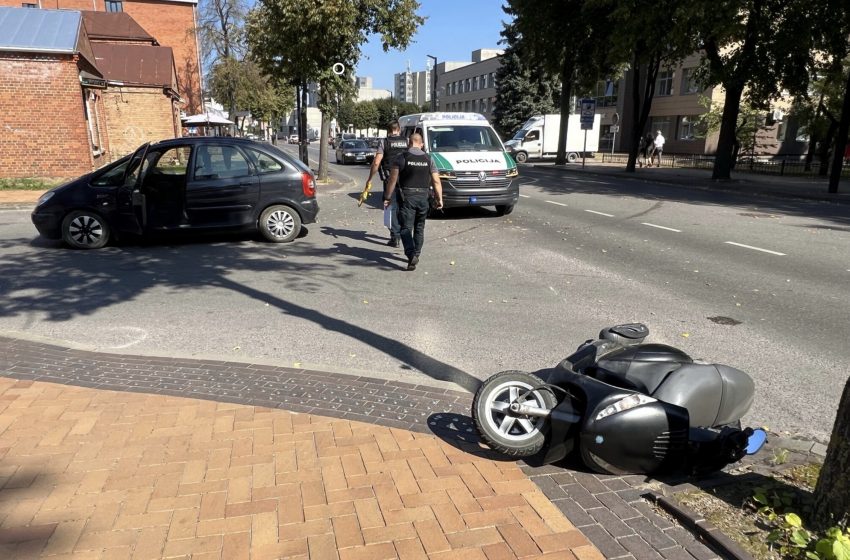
(393, 146)
(413, 172)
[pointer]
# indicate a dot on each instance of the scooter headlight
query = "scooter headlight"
(625, 404)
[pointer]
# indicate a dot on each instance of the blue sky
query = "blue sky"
(452, 30)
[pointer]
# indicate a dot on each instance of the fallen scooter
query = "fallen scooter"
(624, 406)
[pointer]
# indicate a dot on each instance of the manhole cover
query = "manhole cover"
(720, 320)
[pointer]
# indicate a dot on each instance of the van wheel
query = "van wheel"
(280, 224)
(504, 209)
(82, 229)
(572, 157)
(521, 157)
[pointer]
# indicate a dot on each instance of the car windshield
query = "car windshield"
(520, 134)
(354, 144)
(462, 138)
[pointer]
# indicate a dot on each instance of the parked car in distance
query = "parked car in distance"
(354, 151)
(183, 184)
(340, 137)
(374, 142)
(293, 139)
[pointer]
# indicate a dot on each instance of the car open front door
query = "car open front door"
(131, 200)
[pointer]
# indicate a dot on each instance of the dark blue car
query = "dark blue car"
(197, 184)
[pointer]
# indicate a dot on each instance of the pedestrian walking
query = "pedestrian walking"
(390, 148)
(413, 172)
(658, 149)
(643, 150)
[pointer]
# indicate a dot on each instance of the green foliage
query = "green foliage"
(788, 534)
(750, 121)
(365, 115)
(26, 184)
(522, 88)
(242, 86)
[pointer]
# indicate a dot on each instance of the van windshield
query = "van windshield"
(462, 138)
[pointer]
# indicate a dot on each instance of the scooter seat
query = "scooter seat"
(642, 368)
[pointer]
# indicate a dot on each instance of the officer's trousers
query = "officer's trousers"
(411, 217)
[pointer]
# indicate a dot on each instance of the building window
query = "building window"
(25, 5)
(475, 83)
(483, 105)
(688, 127)
(114, 6)
(664, 83)
(689, 84)
(782, 131)
(467, 88)
(492, 79)
(483, 81)
(664, 124)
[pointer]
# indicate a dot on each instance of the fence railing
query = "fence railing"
(775, 166)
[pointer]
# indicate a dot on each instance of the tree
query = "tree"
(299, 42)
(818, 113)
(571, 39)
(221, 26)
(754, 49)
(522, 87)
(832, 493)
(245, 88)
(670, 38)
(365, 116)
(836, 42)
(750, 121)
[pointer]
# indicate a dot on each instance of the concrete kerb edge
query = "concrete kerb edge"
(698, 525)
(728, 186)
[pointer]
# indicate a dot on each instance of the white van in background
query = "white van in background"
(474, 168)
(538, 138)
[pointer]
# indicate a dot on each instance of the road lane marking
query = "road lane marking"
(600, 213)
(524, 196)
(558, 203)
(755, 248)
(661, 227)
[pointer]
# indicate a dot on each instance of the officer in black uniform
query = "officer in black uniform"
(393, 146)
(414, 172)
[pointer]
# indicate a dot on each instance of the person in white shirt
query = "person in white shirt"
(658, 148)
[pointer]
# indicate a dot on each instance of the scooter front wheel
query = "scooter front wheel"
(506, 431)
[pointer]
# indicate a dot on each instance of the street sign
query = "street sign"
(588, 112)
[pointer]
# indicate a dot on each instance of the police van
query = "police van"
(475, 169)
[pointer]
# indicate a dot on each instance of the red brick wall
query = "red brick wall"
(135, 116)
(173, 25)
(43, 130)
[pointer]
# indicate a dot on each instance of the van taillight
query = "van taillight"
(308, 184)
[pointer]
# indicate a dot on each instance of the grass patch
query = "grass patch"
(28, 184)
(731, 508)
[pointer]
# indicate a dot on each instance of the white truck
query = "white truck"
(538, 138)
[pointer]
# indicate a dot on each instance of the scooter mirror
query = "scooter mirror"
(756, 441)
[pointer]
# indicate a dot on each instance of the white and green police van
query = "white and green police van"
(475, 169)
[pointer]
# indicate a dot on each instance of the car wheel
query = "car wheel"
(521, 157)
(82, 229)
(572, 157)
(504, 209)
(511, 433)
(280, 224)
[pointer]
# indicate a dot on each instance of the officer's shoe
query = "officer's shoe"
(393, 242)
(411, 264)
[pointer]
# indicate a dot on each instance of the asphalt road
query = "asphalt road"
(759, 284)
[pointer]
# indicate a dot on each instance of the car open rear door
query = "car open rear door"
(131, 201)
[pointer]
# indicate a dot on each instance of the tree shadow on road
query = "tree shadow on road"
(60, 284)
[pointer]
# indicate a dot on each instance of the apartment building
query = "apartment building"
(413, 87)
(472, 86)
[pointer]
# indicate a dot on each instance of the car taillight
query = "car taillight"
(308, 184)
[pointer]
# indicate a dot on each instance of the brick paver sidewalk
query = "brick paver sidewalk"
(93, 473)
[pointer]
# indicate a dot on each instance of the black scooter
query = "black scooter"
(624, 406)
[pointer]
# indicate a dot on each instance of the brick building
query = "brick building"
(51, 96)
(171, 22)
(141, 101)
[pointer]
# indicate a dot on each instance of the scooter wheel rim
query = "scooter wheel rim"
(507, 426)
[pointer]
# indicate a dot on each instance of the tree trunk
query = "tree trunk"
(840, 140)
(832, 493)
(825, 148)
(567, 71)
(302, 127)
(323, 146)
(723, 160)
(637, 127)
(642, 109)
